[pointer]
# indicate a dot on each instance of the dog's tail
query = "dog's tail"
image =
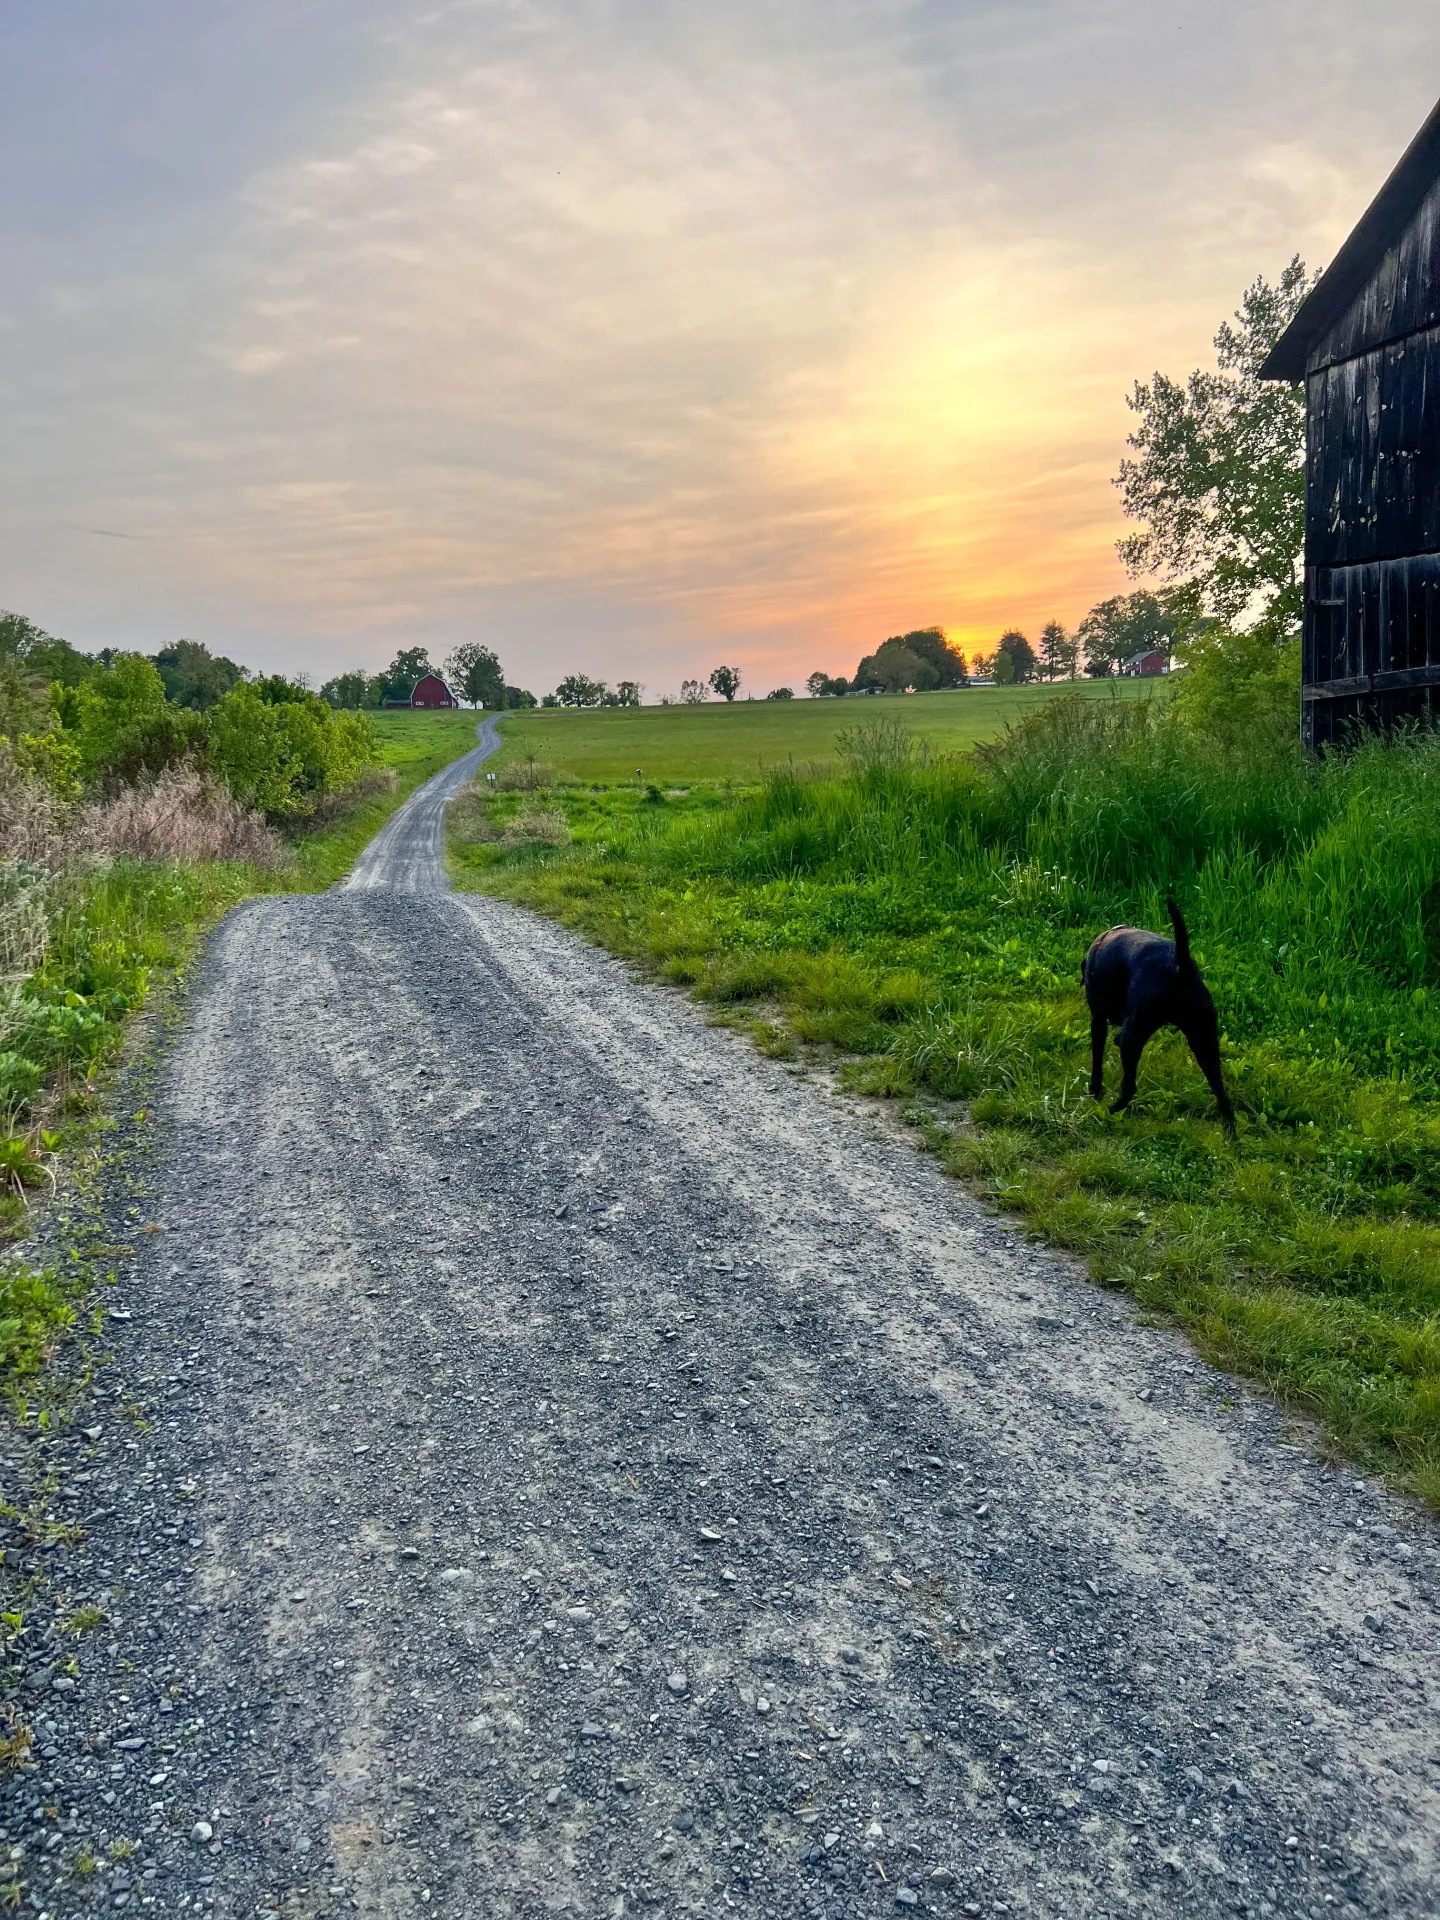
(1182, 936)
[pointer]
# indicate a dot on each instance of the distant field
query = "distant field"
(715, 742)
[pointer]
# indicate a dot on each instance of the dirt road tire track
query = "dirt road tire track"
(587, 1470)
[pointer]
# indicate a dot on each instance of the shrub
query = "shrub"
(122, 725)
(278, 756)
(536, 826)
(327, 808)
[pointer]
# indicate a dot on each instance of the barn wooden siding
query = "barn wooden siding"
(1372, 523)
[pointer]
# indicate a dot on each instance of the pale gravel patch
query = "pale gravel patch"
(447, 1440)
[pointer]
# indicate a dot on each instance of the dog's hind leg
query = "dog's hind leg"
(1099, 1028)
(1205, 1045)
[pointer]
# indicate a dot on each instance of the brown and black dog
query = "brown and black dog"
(1140, 982)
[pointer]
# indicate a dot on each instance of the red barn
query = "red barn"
(431, 691)
(1142, 665)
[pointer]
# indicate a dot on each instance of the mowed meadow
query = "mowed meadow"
(918, 914)
(744, 739)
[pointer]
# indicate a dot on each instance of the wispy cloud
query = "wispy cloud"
(625, 332)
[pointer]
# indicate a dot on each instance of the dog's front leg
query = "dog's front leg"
(1131, 1044)
(1099, 1028)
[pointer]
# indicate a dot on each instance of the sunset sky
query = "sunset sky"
(631, 336)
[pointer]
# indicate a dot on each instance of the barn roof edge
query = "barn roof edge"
(1381, 224)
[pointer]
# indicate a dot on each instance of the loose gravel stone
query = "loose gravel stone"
(394, 1503)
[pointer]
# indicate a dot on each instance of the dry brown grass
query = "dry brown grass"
(472, 819)
(182, 815)
(526, 776)
(33, 823)
(543, 824)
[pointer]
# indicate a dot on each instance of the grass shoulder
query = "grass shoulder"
(923, 927)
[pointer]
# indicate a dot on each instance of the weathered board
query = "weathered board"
(1368, 342)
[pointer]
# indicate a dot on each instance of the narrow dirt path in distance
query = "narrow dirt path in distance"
(583, 1469)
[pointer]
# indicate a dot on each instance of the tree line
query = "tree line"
(472, 672)
(1112, 632)
(86, 723)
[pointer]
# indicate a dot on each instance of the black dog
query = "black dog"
(1140, 982)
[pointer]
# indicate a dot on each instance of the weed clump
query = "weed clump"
(527, 776)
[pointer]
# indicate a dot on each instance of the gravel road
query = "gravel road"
(557, 1461)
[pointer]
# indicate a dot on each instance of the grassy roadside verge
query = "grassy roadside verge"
(925, 925)
(120, 932)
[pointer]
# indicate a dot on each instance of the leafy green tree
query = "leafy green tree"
(280, 692)
(193, 676)
(1003, 668)
(1217, 478)
(25, 709)
(1129, 623)
(279, 754)
(19, 636)
(693, 693)
(628, 693)
(578, 690)
(348, 691)
(895, 668)
(516, 697)
(726, 682)
(123, 726)
(397, 682)
(45, 659)
(916, 661)
(474, 672)
(929, 644)
(1021, 655)
(781, 693)
(817, 684)
(1058, 652)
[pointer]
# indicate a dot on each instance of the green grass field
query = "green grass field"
(412, 740)
(674, 745)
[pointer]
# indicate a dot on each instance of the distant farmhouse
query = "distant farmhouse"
(1142, 665)
(429, 691)
(1367, 345)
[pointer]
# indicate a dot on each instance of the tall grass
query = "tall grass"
(928, 916)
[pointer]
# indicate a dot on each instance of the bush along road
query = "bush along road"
(541, 1457)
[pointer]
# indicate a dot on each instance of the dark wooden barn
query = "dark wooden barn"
(1367, 345)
